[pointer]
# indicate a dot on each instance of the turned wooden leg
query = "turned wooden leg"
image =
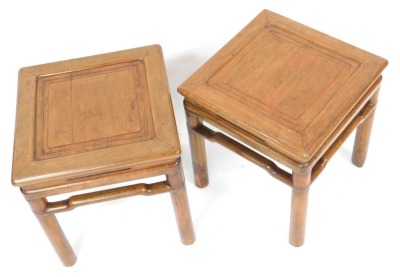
(54, 232)
(198, 151)
(363, 135)
(301, 183)
(181, 206)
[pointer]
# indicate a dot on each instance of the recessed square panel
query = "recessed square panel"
(92, 109)
(291, 68)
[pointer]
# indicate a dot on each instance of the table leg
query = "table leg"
(198, 151)
(363, 135)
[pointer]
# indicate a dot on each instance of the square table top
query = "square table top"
(92, 115)
(288, 85)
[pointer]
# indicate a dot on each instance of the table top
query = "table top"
(93, 114)
(288, 85)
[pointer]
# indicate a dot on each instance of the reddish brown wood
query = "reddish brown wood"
(96, 121)
(291, 93)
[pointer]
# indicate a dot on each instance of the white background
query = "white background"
(242, 218)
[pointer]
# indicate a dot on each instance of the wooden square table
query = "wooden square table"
(94, 121)
(291, 93)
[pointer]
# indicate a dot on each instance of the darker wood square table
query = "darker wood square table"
(288, 91)
(94, 121)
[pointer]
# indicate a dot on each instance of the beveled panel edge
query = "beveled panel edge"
(322, 39)
(24, 133)
(160, 99)
(88, 62)
(119, 157)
